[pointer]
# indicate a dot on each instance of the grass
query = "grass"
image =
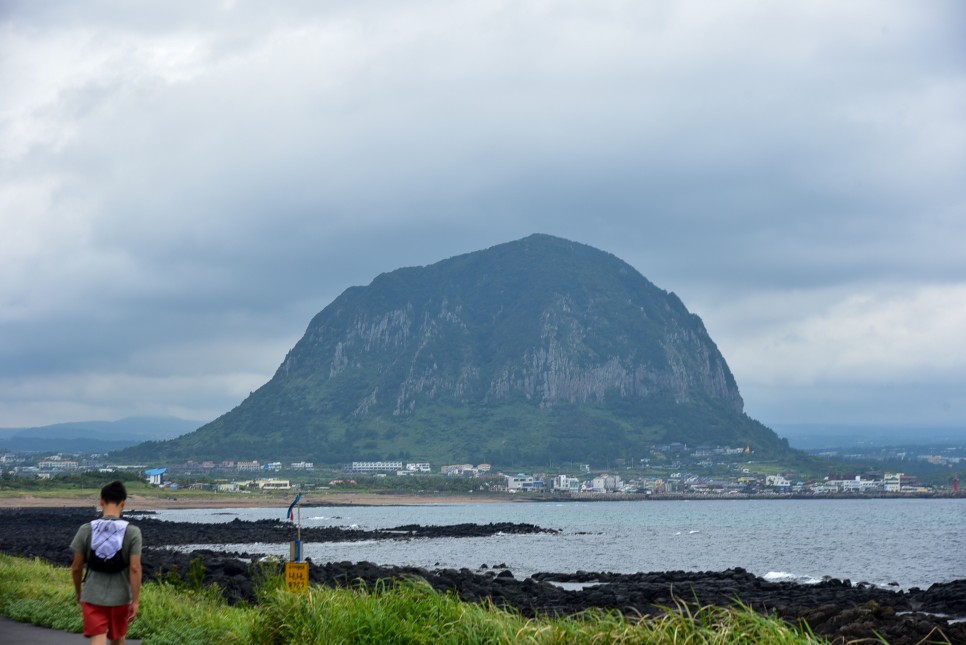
(414, 613)
(37, 592)
(410, 612)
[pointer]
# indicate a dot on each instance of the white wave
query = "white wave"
(784, 576)
(574, 586)
(352, 543)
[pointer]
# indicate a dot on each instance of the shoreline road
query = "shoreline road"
(13, 632)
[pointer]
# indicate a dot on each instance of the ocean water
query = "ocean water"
(912, 542)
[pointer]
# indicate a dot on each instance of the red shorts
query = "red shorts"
(110, 620)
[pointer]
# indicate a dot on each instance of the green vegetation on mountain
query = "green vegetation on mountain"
(535, 351)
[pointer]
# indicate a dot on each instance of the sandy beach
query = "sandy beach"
(147, 503)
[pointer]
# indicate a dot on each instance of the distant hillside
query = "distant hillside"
(823, 435)
(94, 436)
(536, 351)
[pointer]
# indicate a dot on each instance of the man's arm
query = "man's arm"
(77, 572)
(134, 567)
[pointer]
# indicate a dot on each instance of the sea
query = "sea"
(896, 543)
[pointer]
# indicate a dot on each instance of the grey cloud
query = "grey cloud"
(232, 167)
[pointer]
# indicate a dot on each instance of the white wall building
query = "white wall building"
(273, 484)
(856, 485)
(376, 466)
(564, 483)
(892, 482)
(155, 476)
(777, 481)
(519, 482)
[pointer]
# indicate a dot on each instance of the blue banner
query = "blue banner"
(291, 512)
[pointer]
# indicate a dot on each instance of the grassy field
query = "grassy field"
(35, 591)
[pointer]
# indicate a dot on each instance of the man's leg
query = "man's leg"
(96, 623)
(117, 632)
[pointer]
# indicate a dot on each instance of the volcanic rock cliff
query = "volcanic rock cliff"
(535, 350)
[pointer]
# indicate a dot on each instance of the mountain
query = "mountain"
(93, 436)
(535, 351)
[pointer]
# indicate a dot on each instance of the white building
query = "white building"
(459, 470)
(892, 482)
(155, 476)
(273, 484)
(375, 466)
(564, 483)
(603, 484)
(59, 463)
(857, 485)
(519, 482)
(777, 481)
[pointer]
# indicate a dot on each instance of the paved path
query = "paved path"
(20, 633)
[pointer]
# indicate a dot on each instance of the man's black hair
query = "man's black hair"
(114, 493)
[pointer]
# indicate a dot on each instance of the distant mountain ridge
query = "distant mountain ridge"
(94, 436)
(532, 351)
(812, 436)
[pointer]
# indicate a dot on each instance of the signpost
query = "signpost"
(297, 576)
(296, 571)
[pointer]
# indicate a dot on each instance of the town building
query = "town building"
(155, 476)
(273, 484)
(892, 482)
(778, 482)
(519, 482)
(375, 466)
(565, 484)
(855, 485)
(58, 463)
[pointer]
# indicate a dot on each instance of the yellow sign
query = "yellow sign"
(297, 576)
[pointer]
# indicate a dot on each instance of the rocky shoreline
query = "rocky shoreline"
(836, 609)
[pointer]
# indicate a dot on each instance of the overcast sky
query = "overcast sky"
(183, 185)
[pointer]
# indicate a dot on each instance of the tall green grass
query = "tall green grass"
(414, 613)
(35, 591)
(408, 612)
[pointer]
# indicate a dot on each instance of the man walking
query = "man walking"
(110, 550)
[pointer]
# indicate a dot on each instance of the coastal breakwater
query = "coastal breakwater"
(837, 609)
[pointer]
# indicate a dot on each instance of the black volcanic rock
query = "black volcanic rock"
(532, 351)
